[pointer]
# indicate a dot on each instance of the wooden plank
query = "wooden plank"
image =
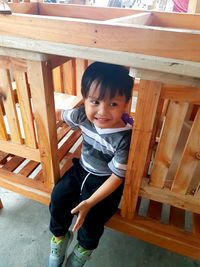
(196, 223)
(25, 108)
(175, 20)
(135, 60)
(28, 168)
(177, 217)
(58, 80)
(81, 65)
(3, 157)
(10, 62)
(64, 129)
(167, 78)
(69, 77)
(3, 132)
(147, 104)
(20, 150)
(57, 61)
(13, 163)
(86, 12)
(41, 86)
(165, 195)
(9, 105)
(181, 44)
(142, 19)
(27, 187)
(68, 144)
(189, 160)
(159, 234)
(181, 93)
(168, 141)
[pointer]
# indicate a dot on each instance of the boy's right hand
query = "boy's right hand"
(82, 210)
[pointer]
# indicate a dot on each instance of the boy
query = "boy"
(93, 186)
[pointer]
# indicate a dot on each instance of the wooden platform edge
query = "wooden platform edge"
(165, 236)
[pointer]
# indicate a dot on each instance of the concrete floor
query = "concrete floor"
(24, 241)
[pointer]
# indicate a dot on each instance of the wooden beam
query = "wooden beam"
(166, 196)
(140, 61)
(181, 44)
(20, 150)
(159, 234)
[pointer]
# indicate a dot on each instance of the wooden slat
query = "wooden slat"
(62, 132)
(68, 144)
(177, 217)
(181, 93)
(28, 168)
(170, 134)
(27, 187)
(189, 160)
(25, 108)
(3, 133)
(12, 62)
(196, 223)
(148, 100)
(81, 65)
(9, 105)
(13, 163)
(166, 196)
(58, 79)
(69, 77)
(3, 157)
(20, 150)
(41, 86)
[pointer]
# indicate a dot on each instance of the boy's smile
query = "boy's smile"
(105, 113)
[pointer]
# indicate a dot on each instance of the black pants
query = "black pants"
(66, 195)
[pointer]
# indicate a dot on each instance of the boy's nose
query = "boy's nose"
(102, 110)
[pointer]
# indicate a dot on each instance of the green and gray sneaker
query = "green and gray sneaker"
(78, 257)
(58, 250)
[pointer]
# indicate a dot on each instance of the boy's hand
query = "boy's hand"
(82, 210)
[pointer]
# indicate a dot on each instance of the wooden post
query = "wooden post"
(148, 100)
(41, 86)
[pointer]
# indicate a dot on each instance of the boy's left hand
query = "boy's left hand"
(82, 210)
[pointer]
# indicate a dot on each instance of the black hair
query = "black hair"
(109, 78)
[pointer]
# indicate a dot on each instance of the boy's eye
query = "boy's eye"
(94, 102)
(113, 104)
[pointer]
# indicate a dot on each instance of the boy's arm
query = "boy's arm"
(110, 185)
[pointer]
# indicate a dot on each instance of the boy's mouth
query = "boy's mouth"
(102, 119)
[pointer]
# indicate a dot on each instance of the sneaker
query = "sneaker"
(58, 250)
(78, 257)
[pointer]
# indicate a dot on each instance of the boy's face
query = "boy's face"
(104, 113)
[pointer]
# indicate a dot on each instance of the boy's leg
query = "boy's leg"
(64, 198)
(92, 229)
